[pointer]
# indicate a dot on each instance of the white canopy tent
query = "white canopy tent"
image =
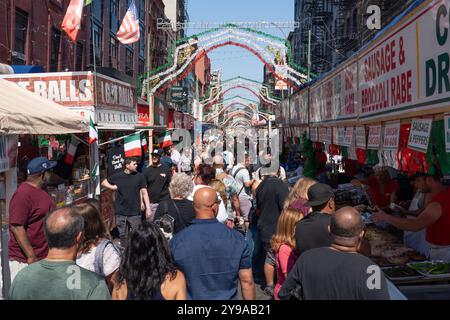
(23, 112)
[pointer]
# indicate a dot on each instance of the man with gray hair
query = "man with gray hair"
(337, 272)
(178, 207)
(57, 277)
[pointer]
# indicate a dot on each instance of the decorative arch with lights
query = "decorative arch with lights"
(273, 51)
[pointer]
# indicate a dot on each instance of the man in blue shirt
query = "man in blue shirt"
(212, 256)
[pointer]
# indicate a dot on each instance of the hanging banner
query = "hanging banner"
(406, 70)
(374, 139)
(313, 134)
(447, 132)
(341, 136)
(329, 136)
(8, 152)
(391, 136)
(361, 138)
(348, 137)
(419, 135)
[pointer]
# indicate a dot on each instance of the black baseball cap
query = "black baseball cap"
(158, 152)
(40, 165)
(319, 194)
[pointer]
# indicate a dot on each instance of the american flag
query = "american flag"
(129, 29)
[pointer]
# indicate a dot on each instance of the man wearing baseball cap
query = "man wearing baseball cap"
(312, 231)
(158, 178)
(27, 210)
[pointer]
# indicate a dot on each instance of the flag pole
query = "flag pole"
(93, 148)
(150, 103)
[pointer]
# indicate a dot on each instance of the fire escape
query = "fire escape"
(318, 16)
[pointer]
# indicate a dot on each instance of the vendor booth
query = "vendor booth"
(110, 104)
(24, 116)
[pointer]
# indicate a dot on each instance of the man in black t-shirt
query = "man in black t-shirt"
(337, 272)
(312, 231)
(131, 198)
(270, 197)
(158, 178)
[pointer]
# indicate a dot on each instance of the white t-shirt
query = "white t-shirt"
(111, 260)
(241, 178)
(175, 156)
(222, 215)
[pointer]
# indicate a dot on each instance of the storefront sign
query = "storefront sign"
(76, 90)
(348, 138)
(407, 70)
(8, 152)
(143, 118)
(419, 135)
(391, 136)
(109, 119)
(447, 132)
(374, 139)
(361, 138)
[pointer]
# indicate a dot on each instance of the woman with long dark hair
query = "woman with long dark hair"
(147, 270)
(97, 252)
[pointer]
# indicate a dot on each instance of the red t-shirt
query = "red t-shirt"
(28, 207)
(439, 232)
(378, 198)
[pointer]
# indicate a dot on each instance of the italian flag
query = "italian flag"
(133, 145)
(93, 135)
(165, 140)
(144, 143)
(72, 20)
(71, 151)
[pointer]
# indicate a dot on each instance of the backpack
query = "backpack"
(99, 253)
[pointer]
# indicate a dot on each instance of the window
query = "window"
(142, 10)
(97, 10)
(129, 62)
(98, 40)
(355, 20)
(79, 63)
(142, 44)
(114, 16)
(54, 49)
(20, 36)
(113, 52)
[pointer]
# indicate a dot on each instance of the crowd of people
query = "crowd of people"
(195, 229)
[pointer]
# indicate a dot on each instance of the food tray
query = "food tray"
(416, 275)
(426, 273)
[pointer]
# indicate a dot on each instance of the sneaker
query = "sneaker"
(268, 290)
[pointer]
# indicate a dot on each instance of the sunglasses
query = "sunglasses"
(218, 202)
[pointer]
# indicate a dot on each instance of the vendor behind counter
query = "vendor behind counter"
(381, 187)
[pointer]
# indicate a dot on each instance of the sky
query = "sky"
(234, 61)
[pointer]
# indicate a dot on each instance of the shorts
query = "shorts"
(270, 256)
(246, 205)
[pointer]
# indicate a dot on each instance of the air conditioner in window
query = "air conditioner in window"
(18, 55)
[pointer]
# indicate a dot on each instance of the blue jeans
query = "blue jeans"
(256, 249)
